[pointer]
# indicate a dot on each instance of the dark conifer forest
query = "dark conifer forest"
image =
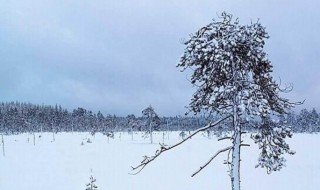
(19, 117)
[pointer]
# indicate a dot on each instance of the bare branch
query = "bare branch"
(228, 160)
(300, 103)
(213, 157)
(163, 148)
(244, 144)
(224, 138)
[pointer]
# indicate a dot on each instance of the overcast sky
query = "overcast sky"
(119, 56)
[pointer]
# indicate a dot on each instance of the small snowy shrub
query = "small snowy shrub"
(91, 185)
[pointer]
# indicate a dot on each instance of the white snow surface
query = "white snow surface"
(65, 164)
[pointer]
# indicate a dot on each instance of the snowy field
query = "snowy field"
(65, 164)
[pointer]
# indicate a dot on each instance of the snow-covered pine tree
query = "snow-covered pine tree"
(132, 123)
(152, 120)
(304, 121)
(233, 78)
(182, 135)
(100, 120)
(292, 120)
(314, 120)
(91, 185)
(232, 75)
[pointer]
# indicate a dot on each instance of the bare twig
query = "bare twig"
(228, 161)
(163, 148)
(213, 157)
(224, 138)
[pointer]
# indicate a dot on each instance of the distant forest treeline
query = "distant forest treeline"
(16, 117)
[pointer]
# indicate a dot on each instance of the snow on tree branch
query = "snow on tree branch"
(270, 139)
(222, 49)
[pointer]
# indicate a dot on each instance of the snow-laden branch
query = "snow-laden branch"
(163, 148)
(213, 157)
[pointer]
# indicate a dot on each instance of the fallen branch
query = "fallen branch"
(213, 157)
(163, 148)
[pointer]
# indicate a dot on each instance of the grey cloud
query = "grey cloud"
(120, 56)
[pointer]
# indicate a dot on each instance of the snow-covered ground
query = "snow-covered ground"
(65, 164)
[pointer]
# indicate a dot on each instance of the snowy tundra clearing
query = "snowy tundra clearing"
(38, 163)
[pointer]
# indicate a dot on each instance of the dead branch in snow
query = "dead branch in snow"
(163, 148)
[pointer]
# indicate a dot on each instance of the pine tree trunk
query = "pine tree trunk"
(163, 137)
(168, 131)
(71, 127)
(53, 139)
(131, 133)
(3, 152)
(235, 163)
(151, 140)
